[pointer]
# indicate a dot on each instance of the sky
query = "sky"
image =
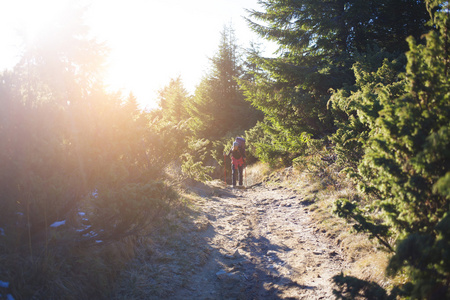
(150, 41)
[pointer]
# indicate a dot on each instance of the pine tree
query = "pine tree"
(357, 107)
(170, 130)
(318, 43)
(406, 164)
(173, 100)
(218, 106)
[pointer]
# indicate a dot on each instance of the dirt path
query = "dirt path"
(262, 246)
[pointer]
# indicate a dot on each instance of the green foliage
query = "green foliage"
(286, 104)
(170, 124)
(425, 259)
(335, 27)
(195, 170)
(169, 140)
(414, 130)
(221, 147)
(218, 106)
(406, 158)
(193, 161)
(174, 100)
(442, 186)
(319, 42)
(274, 146)
(357, 107)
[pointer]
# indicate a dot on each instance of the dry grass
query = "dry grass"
(168, 257)
(256, 173)
(67, 272)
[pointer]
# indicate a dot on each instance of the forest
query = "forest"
(360, 85)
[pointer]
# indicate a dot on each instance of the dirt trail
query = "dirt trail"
(263, 245)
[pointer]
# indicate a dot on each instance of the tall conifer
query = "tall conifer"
(318, 43)
(406, 163)
(218, 106)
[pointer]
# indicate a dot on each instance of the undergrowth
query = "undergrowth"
(169, 255)
(66, 273)
(81, 257)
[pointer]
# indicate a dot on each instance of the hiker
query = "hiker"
(237, 163)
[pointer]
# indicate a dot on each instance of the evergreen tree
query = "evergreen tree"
(173, 100)
(170, 122)
(357, 107)
(318, 42)
(218, 106)
(406, 163)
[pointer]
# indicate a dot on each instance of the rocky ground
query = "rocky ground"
(254, 243)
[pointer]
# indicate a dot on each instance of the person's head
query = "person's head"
(235, 145)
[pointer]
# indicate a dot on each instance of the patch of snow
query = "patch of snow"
(83, 229)
(90, 234)
(99, 241)
(4, 284)
(9, 297)
(58, 223)
(2, 231)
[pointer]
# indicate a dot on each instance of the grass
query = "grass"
(64, 262)
(168, 256)
(256, 173)
(65, 272)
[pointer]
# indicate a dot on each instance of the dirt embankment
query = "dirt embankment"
(255, 243)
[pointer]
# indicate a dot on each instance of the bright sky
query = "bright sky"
(151, 41)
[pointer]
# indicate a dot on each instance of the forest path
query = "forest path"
(262, 245)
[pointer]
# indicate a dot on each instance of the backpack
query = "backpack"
(237, 159)
(241, 145)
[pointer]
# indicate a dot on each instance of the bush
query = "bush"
(406, 162)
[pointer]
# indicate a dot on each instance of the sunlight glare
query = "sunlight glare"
(153, 41)
(32, 17)
(150, 41)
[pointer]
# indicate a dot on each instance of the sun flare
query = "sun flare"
(32, 18)
(150, 42)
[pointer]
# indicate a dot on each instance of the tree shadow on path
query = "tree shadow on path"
(267, 281)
